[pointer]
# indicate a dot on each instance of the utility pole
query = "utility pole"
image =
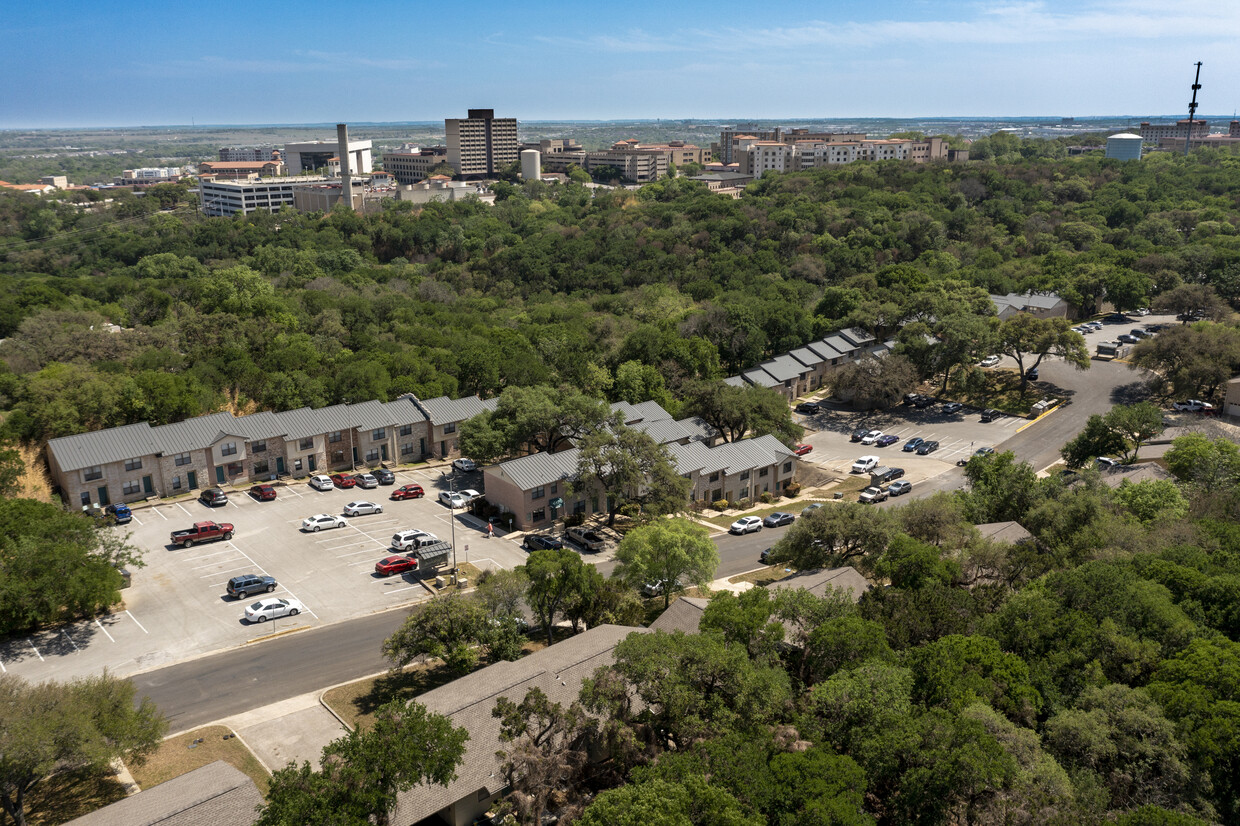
(1192, 109)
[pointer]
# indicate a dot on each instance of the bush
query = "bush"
(767, 498)
(792, 488)
(745, 504)
(720, 504)
(574, 519)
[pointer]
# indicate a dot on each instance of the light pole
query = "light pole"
(452, 519)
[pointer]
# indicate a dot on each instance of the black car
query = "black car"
(1032, 374)
(541, 542)
(926, 448)
(911, 398)
(765, 556)
(778, 519)
(859, 434)
(952, 407)
(808, 408)
(212, 497)
(1129, 339)
(1139, 333)
(246, 584)
(912, 444)
(384, 476)
(891, 474)
(922, 402)
(990, 414)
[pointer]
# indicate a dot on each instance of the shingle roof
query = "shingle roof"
(760, 377)
(558, 670)
(214, 795)
(116, 444)
(1144, 472)
(1009, 532)
(783, 368)
(818, 581)
(807, 357)
(685, 615)
(528, 472)
(442, 410)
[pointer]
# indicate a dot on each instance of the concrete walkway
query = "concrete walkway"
(290, 731)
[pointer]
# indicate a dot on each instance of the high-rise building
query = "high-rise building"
(247, 154)
(481, 145)
(1154, 132)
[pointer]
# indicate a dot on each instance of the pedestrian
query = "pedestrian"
(490, 529)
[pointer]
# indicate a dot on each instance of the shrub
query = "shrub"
(745, 504)
(792, 488)
(720, 504)
(767, 498)
(573, 520)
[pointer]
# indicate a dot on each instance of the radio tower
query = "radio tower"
(1192, 108)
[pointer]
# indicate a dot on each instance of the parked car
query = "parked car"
(808, 408)
(1127, 338)
(913, 443)
(202, 532)
(320, 521)
(540, 542)
(1155, 328)
(1105, 462)
(470, 494)
(1094, 325)
(872, 437)
(887, 475)
(990, 414)
(746, 524)
(922, 402)
(1193, 405)
(212, 497)
(981, 451)
(464, 465)
(927, 447)
(887, 439)
(322, 482)
(120, 513)
(872, 494)
(900, 487)
(765, 556)
(385, 476)
(359, 508)
(366, 481)
(586, 538)
(989, 361)
(778, 519)
(951, 408)
(802, 449)
(342, 481)
(412, 539)
(453, 499)
(1139, 333)
(1032, 374)
(859, 434)
(395, 565)
(865, 464)
(910, 398)
(655, 589)
(263, 493)
(242, 586)
(273, 608)
(810, 508)
(408, 492)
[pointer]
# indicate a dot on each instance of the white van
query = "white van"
(413, 539)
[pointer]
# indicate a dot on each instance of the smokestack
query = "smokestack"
(346, 182)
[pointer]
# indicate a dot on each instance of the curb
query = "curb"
(1038, 419)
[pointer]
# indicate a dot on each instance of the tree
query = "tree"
(363, 772)
(675, 552)
(745, 619)
(11, 469)
(957, 671)
(1136, 424)
(692, 802)
(451, 627)
(845, 642)
(1190, 361)
(553, 577)
(846, 534)
(1192, 301)
(875, 381)
(577, 174)
(1097, 439)
(1000, 488)
(501, 591)
(83, 725)
(544, 750)
(1024, 336)
(1152, 500)
(1209, 464)
(737, 411)
(629, 466)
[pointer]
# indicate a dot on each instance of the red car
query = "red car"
(408, 492)
(342, 481)
(801, 450)
(395, 565)
(263, 493)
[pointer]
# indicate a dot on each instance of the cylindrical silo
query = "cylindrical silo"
(1124, 147)
(531, 164)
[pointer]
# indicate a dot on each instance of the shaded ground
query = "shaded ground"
(66, 796)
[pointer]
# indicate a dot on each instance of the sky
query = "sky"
(72, 63)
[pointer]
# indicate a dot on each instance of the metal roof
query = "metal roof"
(783, 368)
(734, 381)
(442, 410)
(698, 428)
(527, 472)
(192, 434)
(651, 411)
(116, 444)
(404, 411)
(760, 377)
(825, 349)
(626, 410)
(370, 415)
(857, 337)
(807, 357)
(663, 431)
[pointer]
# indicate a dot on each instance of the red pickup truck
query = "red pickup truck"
(202, 532)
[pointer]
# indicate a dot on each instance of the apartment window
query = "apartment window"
(406, 448)
(234, 469)
(93, 473)
(714, 477)
(787, 467)
(406, 429)
(176, 482)
(555, 488)
(297, 464)
(378, 434)
(450, 427)
(538, 515)
(130, 488)
(744, 493)
(133, 464)
(372, 455)
(306, 444)
(763, 472)
(228, 449)
(539, 493)
(744, 475)
(258, 447)
(85, 497)
(335, 436)
(261, 468)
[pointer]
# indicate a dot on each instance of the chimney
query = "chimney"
(346, 182)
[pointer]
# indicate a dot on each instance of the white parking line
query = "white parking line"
(70, 639)
(211, 564)
(407, 588)
(187, 513)
(135, 620)
(204, 556)
(156, 511)
(104, 630)
(3, 670)
(36, 651)
(136, 519)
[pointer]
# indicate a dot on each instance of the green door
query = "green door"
(219, 475)
(192, 477)
(280, 465)
(312, 464)
(147, 487)
(355, 455)
(383, 452)
(103, 496)
(421, 447)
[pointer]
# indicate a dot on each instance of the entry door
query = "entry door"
(280, 465)
(355, 455)
(443, 450)
(312, 464)
(192, 477)
(421, 447)
(383, 452)
(219, 475)
(147, 487)
(103, 496)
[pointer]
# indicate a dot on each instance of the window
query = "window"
(406, 448)
(744, 493)
(261, 468)
(335, 436)
(555, 488)
(133, 464)
(306, 444)
(744, 475)
(450, 427)
(234, 469)
(714, 477)
(258, 447)
(538, 515)
(787, 467)
(228, 449)
(182, 459)
(337, 457)
(372, 455)
(93, 473)
(130, 488)
(378, 434)
(85, 497)
(763, 472)
(297, 464)
(538, 493)
(406, 430)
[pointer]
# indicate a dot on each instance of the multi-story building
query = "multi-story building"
(768, 156)
(727, 147)
(554, 146)
(241, 170)
(148, 176)
(1154, 132)
(408, 166)
(481, 145)
(224, 198)
(234, 154)
(311, 155)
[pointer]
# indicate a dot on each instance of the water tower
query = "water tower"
(531, 164)
(1124, 147)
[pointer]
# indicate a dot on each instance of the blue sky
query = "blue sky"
(137, 62)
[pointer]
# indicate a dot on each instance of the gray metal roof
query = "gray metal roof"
(262, 425)
(651, 411)
(697, 428)
(527, 472)
(825, 349)
(1041, 302)
(192, 434)
(735, 381)
(214, 795)
(760, 377)
(370, 415)
(857, 337)
(442, 410)
(663, 431)
(807, 357)
(843, 345)
(729, 457)
(626, 411)
(116, 444)
(404, 411)
(783, 368)
(306, 422)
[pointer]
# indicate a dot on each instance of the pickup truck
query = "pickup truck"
(588, 539)
(873, 494)
(202, 532)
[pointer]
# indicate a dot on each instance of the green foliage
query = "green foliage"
(1209, 464)
(1152, 500)
(450, 628)
(737, 412)
(957, 671)
(845, 534)
(629, 466)
(553, 577)
(692, 802)
(669, 551)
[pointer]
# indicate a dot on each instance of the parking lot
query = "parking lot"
(177, 606)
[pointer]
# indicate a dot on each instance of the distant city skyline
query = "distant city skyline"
(120, 63)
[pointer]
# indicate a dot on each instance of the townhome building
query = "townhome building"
(444, 416)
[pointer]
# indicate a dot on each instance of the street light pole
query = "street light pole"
(452, 521)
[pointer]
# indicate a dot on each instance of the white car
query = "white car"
(1193, 405)
(746, 524)
(359, 508)
(470, 494)
(871, 437)
(412, 539)
(320, 521)
(321, 482)
(865, 464)
(464, 465)
(271, 608)
(453, 499)
(989, 361)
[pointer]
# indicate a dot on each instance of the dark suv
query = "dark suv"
(808, 408)
(990, 414)
(246, 584)
(384, 476)
(541, 541)
(213, 496)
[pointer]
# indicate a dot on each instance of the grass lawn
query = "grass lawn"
(764, 510)
(63, 797)
(764, 577)
(1000, 391)
(175, 758)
